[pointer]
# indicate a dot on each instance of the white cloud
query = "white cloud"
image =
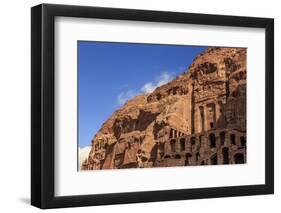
(164, 78)
(124, 96)
(83, 154)
(148, 87)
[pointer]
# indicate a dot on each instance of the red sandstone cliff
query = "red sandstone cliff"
(210, 95)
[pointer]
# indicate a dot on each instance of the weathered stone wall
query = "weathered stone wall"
(208, 148)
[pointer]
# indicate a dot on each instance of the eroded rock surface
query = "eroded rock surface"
(199, 118)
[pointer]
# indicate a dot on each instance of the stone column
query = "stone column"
(206, 121)
(218, 115)
(167, 147)
(175, 133)
(195, 125)
(215, 115)
(192, 112)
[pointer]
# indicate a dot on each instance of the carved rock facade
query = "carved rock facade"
(199, 118)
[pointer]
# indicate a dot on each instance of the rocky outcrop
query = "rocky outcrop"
(197, 118)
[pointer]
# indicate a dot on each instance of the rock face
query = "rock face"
(199, 118)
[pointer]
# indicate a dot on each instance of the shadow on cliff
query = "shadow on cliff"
(127, 124)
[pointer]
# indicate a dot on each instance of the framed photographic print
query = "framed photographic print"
(140, 106)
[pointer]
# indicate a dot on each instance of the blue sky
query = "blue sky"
(111, 73)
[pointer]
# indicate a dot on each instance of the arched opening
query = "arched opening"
(203, 163)
(214, 160)
(212, 140)
(192, 140)
(200, 140)
(161, 150)
(173, 145)
(225, 155)
(242, 141)
(177, 156)
(167, 156)
(188, 157)
(197, 156)
(222, 138)
(136, 140)
(239, 158)
(182, 144)
(141, 140)
(232, 139)
(171, 133)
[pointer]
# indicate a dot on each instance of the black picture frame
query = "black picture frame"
(43, 110)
